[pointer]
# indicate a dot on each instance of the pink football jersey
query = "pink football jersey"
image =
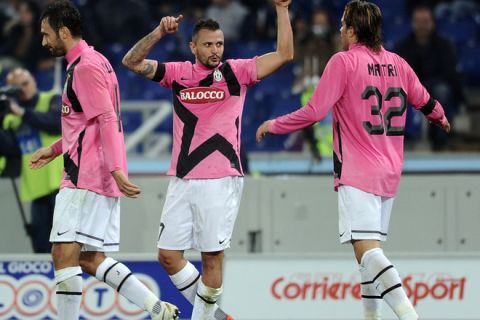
(208, 105)
(368, 92)
(91, 95)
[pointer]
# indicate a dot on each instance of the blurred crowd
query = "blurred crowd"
(440, 39)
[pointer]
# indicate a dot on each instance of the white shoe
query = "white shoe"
(168, 312)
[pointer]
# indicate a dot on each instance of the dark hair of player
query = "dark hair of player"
(366, 20)
(62, 13)
(208, 24)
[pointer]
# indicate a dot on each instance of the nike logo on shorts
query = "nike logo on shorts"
(162, 226)
(221, 242)
(61, 233)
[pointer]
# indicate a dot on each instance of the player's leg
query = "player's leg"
(185, 277)
(382, 273)
(65, 254)
(364, 220)
(371, 299)
(102, 226)
(176, 235)
(351, 220)
(210, 286)
(215, 210)
(119, 277)
(68, 279)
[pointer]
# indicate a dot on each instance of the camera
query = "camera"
(7, 92)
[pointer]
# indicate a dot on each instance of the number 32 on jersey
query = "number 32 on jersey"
(393, 111)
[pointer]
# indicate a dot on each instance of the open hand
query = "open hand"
(126, 187)
(262, 130)
(41, 157)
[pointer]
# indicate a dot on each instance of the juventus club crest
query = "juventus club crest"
(217, 75)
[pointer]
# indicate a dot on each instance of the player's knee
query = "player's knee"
(167, 259)
(212, 260)
(87, 266)
(89, 261)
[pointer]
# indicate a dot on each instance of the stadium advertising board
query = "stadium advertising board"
(302, 289)
(27, 291)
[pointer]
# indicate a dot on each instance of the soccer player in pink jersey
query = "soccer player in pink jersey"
(207, 178)
(86, 221)
(368, 88)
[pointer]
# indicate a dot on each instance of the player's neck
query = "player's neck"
(69, 45)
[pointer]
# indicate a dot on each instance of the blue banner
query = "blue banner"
(27, 291)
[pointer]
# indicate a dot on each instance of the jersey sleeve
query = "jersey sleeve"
(245, 70)
(171, 72)
(111, 135)
(329, 90)
(90, 86)
(419, 97)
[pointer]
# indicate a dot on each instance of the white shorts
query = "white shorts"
(200, 214)
(362, 215)
(88, 218)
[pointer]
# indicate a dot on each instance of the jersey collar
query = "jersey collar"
(75, 52)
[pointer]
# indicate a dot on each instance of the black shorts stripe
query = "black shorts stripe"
(369, 231)
(371, 297)
(191, 284)
(89, 236)
(111, 244)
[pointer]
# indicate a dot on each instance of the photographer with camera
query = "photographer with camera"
(29, 120)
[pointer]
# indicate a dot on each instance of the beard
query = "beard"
(210, 63)
(58, 49)
(58, 52)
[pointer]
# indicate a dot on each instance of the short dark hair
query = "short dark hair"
(62, 13)
(366, 19)
(208, 24)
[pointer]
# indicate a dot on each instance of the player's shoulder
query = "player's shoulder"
(239, 63)
(342, 58)
(179, 66)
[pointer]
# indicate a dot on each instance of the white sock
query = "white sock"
(120, 278)
(186, 281)
(69, 292)
(205, 300)
(388, 283)
(372, 302)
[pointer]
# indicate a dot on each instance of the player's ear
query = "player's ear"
(351, 32)
(64, 33)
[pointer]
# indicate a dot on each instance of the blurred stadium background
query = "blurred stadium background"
(286, 233)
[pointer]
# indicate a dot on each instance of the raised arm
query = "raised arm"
(135, 57)
(270, 62)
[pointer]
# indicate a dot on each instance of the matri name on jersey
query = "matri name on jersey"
(202, 95)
